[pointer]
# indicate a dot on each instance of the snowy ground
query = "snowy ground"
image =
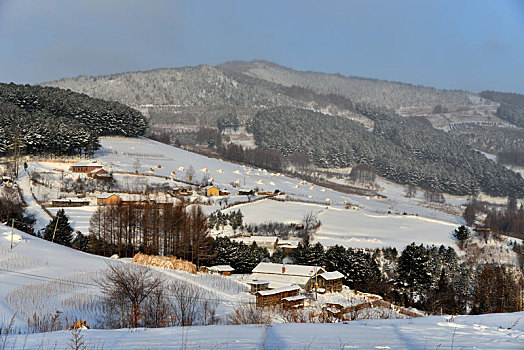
(353, 228)
(496, 331)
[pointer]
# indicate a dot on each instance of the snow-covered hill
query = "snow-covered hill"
(350, 220)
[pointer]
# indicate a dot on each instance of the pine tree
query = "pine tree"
(414, 275)
(64, 232)
(462, 233)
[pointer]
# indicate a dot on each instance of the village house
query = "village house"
(224, 270)
(274, 297)
(108, 199)
(84, 167)
(98, 173)
(331, 282)
(279, 275)
(211, 191)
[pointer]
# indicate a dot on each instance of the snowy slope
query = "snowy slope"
(496, 331)
(31, 257)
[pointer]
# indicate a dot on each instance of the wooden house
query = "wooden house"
(225, 270)
(273, 297)
(258, 286)
(211, 191)
(279, 275)
(294, 302)
(98, 173)
(84, 167)
(330, 282)
(108, 199)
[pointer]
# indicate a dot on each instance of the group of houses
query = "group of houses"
(285, 284)
(212, 190)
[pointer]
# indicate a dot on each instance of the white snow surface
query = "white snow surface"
(495, 331)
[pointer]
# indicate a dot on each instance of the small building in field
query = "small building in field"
(244, 192)
(211, 191)
(258, 286)
(225, 270)
(294, 302)
(84, 167)
(274, 297)
(108, 199)
(69, 202)
(224, 192)
(279, 275)
(331, 282)
(98, 173)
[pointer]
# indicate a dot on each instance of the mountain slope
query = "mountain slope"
(407, 153)
(378, 92)
(49, 120)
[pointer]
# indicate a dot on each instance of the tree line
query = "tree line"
(45, 120)
(402, 151)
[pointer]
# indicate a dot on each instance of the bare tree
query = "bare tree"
(310, 224)
(126, 287)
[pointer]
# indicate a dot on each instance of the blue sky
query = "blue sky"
(473, 45)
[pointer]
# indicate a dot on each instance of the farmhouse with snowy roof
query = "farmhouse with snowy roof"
(84, 167)
(281, 275)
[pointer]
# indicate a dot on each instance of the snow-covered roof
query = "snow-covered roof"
(94, 171)
(70, 200)
(208, 187)
(87, 164)
(256, 283)
(287, 269)
(221, 268)
(277, 281)
(279, 290)
(107, 195)
(294, 298)
(335, 275)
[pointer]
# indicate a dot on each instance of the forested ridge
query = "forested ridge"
(511, 107)
(38, 120)
(404, 151)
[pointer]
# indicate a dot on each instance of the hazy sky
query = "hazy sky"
(455, 44)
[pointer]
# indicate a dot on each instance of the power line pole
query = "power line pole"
(12, 232)
(56, 226)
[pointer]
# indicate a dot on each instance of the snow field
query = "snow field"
(353, 228)
(495, 331)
